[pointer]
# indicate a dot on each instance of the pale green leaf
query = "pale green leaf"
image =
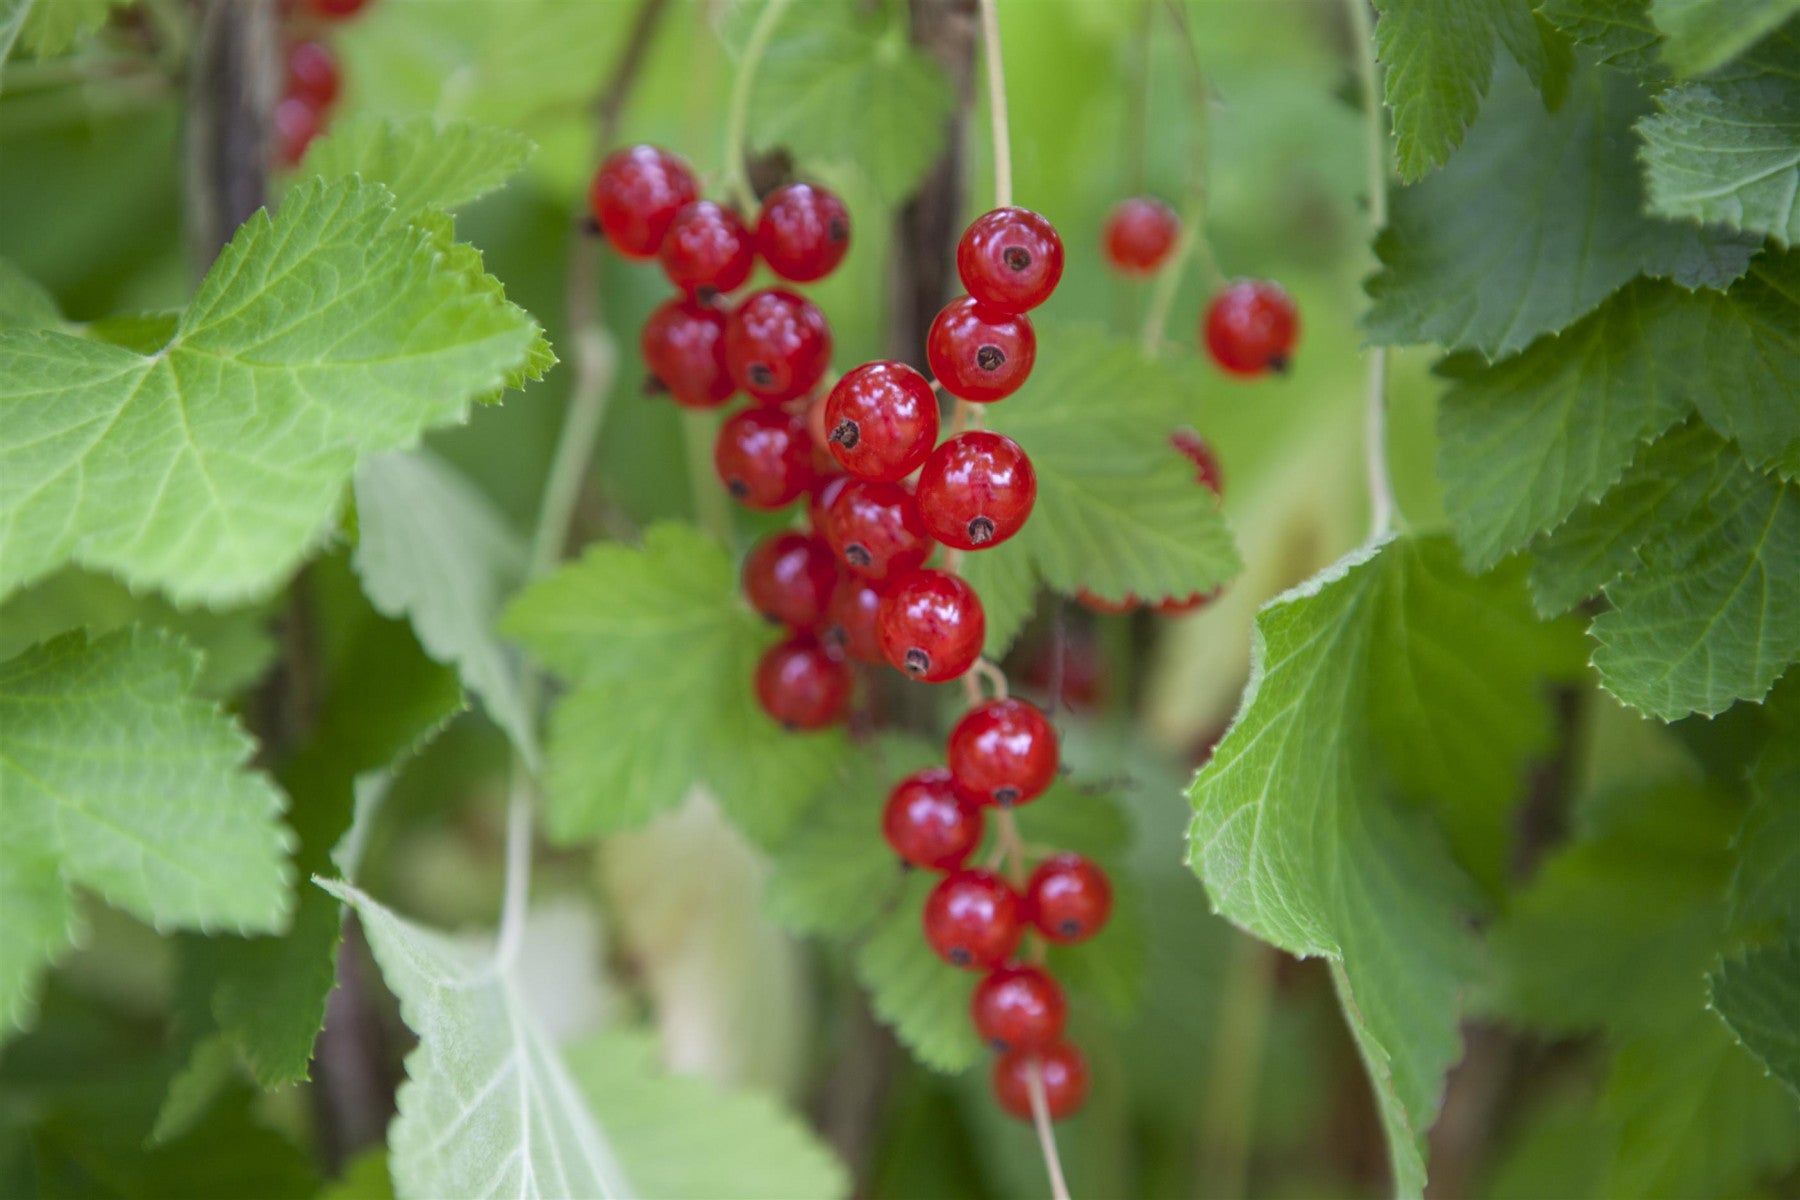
(50, 27)
(1758, 998)
(113, 777)
(923, 998)
(424, 162)
(1620, 32)
(24, 302)
(1702, 35)
(1728, 153)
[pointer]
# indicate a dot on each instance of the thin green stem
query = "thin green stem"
(1381, 487)
(1229, 1106)
(997, 118)
(736, 182)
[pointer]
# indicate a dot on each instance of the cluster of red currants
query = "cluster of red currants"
(311, 81)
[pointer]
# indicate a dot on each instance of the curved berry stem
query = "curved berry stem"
(996, 80)
(736, 183)
(1040, 1117)
(1381, 487)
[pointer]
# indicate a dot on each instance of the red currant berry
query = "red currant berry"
(706, 249)
(824, 490)
(1251, 326)
(764, 457)
(1068, 898)
(1010, 259)
(980, 353)
(976, 490)
(972, 919)
(788, 578)
(1003, 752)
(297, 122)
(1060, 1067)
(802, 686)
(777, 345)
(1139, 235)
(1193, 447)
(1096, 603)
(636, 193)
(928, 823)
(1176, 606)
(931, 625)
(803, 232)
(850, 617)
(336, 10)
(683, 344)
(1019, 1008)
(875, 529)
(312, 73)
(882, 420)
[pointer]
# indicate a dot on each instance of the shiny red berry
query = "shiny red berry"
(802, 686)
(1139, 235)
(850, 616)
(1062, 1071)
(931, 625)
(1068, 898)
(882, 420)
(312, 73)
(875, 529)
(980, 353)
(823, 491)
(683, 344)
(976, 490)
(789, 577)
(636, 193)
(297, 122)
(928, 823)
(1251, 326)
(1193, 447)
(1010, 259)
(1019, 1008)
(336, 10)
(764, 457)
(803, 232)
(777, 345)
(1003, 752)
(706, 249)
(972, 919)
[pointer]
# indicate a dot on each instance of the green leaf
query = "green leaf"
(1702, 35)
(1118, 510)
(1727, 153)
(841, 89)
(1476, 257)
(489, 1107)
(114, 777)
(210, 467)
(660, 651)
(1620, 32)
(426, 163)
(432, 548)
(684, 1139)
(24, 302)
(923, 998)
(45, 28)
(1299, 834)
(1758, 998)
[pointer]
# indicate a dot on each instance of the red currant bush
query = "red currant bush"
(979, 353)
(777, 345)
(1250, 327)
(683, 344)
(789, 577)
(1019, 1008)
(850, 620)
(802, 686)
(1068, 898)
(1139, 235)
(875, 529)
(706, 250)
(1010, 259)
(1194, 448)
(312, 74)
(636, 193)
(803, 232)
(931, 626)
(928, 823)
(1003, 752)
(764, 457)
(972, 919)
(881, 420)
(976, 490)
(1064, 1075)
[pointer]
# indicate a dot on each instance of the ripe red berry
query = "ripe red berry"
(1139, 235)
(976, 490)
(788, 578)
(297, 122)
(336, 10)
(1003, 752)
(803, 232)
(1019, 1008)
(683, 344)
(980, 353)
(972, 919)
(1251, 326)
(312, 73)
(706, 249)
(1068, 898)
(850, 617)
(823, 491)
(1175, 606)
(802, 686)
(777, 345)
(764, 457)
(931, 625)
(1094, 602)
(636, 193)
(882, 420)
(1010, 259)
(1060, 1068)
(1193, 447)
(876, 530)
(928, 823)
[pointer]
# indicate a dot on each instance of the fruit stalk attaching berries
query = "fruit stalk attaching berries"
(1003, 752)
(875, 529)
(929, 823)
(1250, 327)
(881, 421)
(1139, 235)
(1060, 1068)
(802, 686)
(1068, 898)
(636, 193)
(976, 490)
(1010, 259)
(972, 919)
(931, 625)
(803, 232)
(706, 250)
(1019, 1007)
(789, 578)
(777, 345)
(978, 353)
(683, 343)
(764, 457)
